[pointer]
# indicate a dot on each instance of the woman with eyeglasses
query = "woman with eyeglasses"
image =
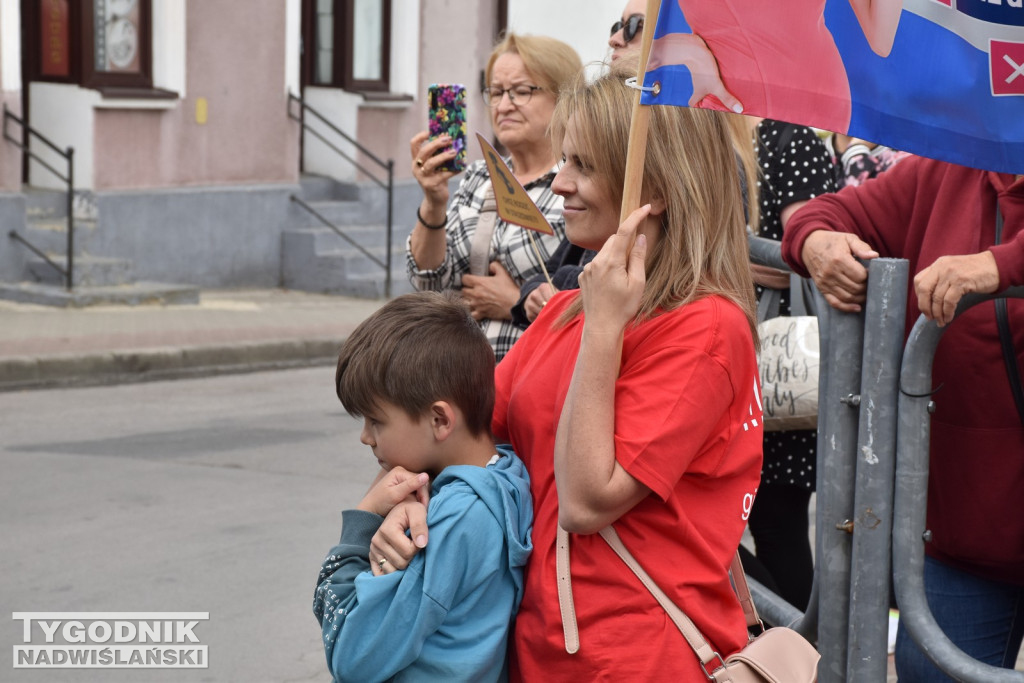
(633, 402)
(568, 260)
(449, 247)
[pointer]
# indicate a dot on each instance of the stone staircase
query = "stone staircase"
(314, 258)
(97, 279)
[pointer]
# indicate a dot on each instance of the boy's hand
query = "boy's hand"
(393, 487)
(391, 549)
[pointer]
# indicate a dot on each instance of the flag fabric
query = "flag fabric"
(939, 78)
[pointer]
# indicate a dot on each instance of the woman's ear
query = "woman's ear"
(442, 419)
(657, 206)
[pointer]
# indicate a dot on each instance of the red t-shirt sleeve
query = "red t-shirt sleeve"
(674, 395)
(661, 427)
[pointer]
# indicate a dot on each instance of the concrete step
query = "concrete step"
(88, 271)
(45, 204)
(340, 213)
(345, 271)
(51, 234)
(316, 240)
(133, 294)
(316, 188)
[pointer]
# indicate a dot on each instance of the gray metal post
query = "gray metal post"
(884, 324)
(837, 427)
(910, 504)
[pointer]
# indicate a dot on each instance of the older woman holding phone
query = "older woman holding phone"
(633, 402)
(449, 247)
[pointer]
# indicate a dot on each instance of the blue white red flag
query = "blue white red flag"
(939, 78)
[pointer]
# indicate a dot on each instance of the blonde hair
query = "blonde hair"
(553, 63)
(691, 164)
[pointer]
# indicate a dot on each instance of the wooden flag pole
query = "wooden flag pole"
(632, 188)
(540, 259)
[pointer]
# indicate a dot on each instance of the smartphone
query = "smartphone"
(448, 116)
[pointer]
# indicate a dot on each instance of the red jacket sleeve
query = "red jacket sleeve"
(877, 211)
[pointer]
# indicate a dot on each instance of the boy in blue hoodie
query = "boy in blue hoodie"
(420, 373)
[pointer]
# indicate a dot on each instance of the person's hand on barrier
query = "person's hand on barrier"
(940, 286)
(771, 278)
(831, 259)
(490, 297)
(537, 299)
(390, 548)
(691, 51)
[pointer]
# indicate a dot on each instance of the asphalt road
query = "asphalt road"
(217, 495)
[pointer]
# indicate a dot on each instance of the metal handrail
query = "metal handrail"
(69, 179)
(338, 230)
(388, 184)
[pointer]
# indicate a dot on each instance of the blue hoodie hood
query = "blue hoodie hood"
(504, 487)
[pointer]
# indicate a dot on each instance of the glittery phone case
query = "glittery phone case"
(448, 116)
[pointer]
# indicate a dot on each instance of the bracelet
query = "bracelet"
(427, 225)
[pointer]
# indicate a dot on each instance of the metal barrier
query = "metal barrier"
(866, 505)
(911, 503)
(69, 155)
(387, 184)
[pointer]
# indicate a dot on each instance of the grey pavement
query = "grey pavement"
(227, 331)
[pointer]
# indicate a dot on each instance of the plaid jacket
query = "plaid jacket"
(510, 245)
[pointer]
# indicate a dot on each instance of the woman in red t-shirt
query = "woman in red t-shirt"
(634, 400)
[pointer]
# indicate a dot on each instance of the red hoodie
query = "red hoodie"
(920, 210)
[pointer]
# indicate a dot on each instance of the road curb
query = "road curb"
(116, 367)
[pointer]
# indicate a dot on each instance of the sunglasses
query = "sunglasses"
(630, 28)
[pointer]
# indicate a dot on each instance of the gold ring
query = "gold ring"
(381, 562)
(419, 163)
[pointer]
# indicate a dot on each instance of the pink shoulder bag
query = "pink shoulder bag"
(777, 655)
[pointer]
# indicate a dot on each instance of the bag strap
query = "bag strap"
(480, 243)
(739, 582)
(694, 638)
(1006, 337)
(705, 653)
(565, 602)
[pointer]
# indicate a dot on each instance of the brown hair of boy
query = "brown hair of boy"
(417, 349)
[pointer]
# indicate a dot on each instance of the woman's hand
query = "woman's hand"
(392, 487)
(594, 490)
(613, 283)
(690, 50)
(391, 544)
(490, 297)
(427, 157)
(536, 300)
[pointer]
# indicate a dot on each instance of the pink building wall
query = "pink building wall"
(456, 38)
(236, 62)
(10, 156)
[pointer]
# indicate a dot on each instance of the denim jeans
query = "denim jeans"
(983, 618)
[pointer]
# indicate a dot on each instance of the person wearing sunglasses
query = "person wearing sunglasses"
(449, 247)
(568, 260)
(627, 30)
